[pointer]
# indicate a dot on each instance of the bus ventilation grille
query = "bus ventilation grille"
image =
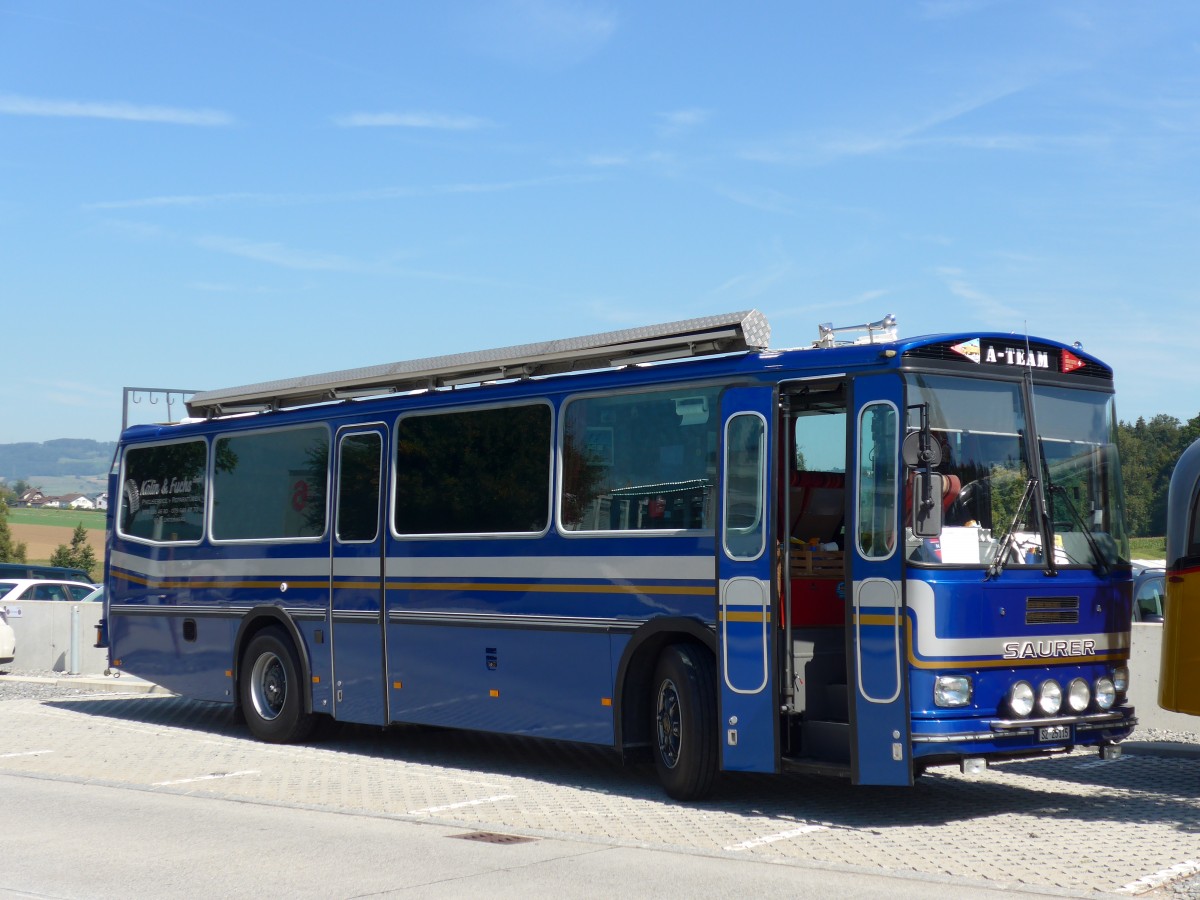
(1052, 611)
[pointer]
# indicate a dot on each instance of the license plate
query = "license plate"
(1055, 733)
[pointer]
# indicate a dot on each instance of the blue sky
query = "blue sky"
(206, 194)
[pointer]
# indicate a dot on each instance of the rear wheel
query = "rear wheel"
(269, 689)
(685, 714)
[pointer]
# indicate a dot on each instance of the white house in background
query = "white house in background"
(77, 501)
(101, 500)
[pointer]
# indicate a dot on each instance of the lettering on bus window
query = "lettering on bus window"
(640, 461)
(878, 480)
(162, 492)
(479, 471)
(270, 485)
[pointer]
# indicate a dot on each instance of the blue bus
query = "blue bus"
(865, 557)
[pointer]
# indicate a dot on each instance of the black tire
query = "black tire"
(684, 710)
(269, 689)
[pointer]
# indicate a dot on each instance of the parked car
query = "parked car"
(1149, 587)
(96, 596)
(41, 589)
(8, 639)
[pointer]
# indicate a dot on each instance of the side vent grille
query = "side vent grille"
(1052, 611)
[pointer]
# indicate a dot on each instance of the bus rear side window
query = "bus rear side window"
(482, 471)
(640, 461)
(270, 485)
(162, 497)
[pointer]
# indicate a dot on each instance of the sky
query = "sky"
(197, 195)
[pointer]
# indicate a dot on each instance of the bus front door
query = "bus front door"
(748, 720)
(879, 721)
(356, 584)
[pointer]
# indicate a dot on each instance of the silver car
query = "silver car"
(13, 589)
(8, 639)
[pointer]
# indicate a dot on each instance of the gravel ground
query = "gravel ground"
(23, 685)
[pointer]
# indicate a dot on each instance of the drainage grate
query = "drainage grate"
(490, 837)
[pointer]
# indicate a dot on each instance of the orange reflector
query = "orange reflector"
(229, 673)
(316, 679)
(397, 685)
(493, 693)
(606, 701)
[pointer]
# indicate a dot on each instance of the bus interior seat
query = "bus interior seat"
(818, 505)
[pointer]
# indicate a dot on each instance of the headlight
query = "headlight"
(1020, 698)
(1121, 679)
(1106, 694)
(1050, 697)
(952, 690)
(1079, 695)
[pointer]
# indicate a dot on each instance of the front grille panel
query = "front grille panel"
(1052, 611)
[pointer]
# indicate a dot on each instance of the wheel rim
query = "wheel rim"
(670, 725)
(268, 685)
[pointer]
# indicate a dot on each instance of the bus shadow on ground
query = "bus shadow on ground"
(1132, 791)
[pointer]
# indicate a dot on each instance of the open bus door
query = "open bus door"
(875, 619)
(356, 585)
(749, 719)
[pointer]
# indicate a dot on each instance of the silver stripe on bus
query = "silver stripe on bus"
(614, 568)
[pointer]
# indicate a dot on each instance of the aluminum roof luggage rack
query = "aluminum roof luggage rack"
(727, 333)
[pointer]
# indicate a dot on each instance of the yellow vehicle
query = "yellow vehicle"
(1179, 679)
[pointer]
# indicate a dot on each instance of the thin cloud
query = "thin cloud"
(952, 9)
(748, 286)
(250, 198)
(539, 33)
(681, 120)
(763, 200)
(811, 150)
(423, 120)
(277, 254)
(16, 105)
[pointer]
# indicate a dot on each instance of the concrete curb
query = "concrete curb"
(124, 684)
(1163, 749)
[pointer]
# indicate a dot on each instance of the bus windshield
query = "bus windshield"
(985, 470)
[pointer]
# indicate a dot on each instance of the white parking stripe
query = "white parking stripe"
(436, 809)
(25, 753)
(781, 836)
(206, 778)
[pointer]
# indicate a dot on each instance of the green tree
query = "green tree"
(10, 550)
(77, 556)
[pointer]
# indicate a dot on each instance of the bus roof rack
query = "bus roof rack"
(727, 333)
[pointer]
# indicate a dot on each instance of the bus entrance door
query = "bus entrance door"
(879, 751)
(748, 720)
(356, 583)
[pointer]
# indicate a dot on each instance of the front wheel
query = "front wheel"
(685, 716)
(269, 689)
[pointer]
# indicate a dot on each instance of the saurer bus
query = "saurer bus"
(1179, 675)
(864, 557)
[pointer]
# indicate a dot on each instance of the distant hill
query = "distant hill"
(65, 457)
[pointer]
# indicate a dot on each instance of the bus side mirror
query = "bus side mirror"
(928, 490)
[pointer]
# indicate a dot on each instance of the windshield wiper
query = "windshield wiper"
(1101, 563)
(997, 564)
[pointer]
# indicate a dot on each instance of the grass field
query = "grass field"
(42, 531)
(62, 518)
(1148, 548)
